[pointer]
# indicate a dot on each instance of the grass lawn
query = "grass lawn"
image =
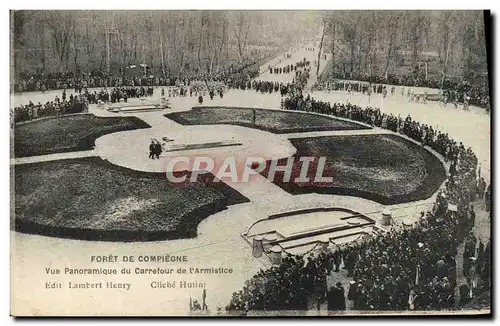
(92, 199)
(278, 122)
(384, 168)
(68, 133)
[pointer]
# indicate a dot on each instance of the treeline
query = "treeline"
(422, 45)
(168, 42)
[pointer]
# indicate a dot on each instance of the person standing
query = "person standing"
(442, 269)
(466, 102)
(336, 298)
(469, 251)
(157, 150)
(472, 216)
(337, 259)
(485, 275)
(152, 150)
(352, 294)
(480, 258)
(487, 198)
(481, 188)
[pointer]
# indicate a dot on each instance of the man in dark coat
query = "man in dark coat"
(469, 251)
(487, 198)
(472, 216)
(152, 150)
(353, 291)
(350, 262)
(480, 258)
(336, 298)
(200, 99)
(464, 291)
(486, 262)
(158, 150)
(337, 259)
(442, 269)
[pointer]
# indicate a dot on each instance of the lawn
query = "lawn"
(278, 122)
(92, 199)
(384, 168)
(67, 133)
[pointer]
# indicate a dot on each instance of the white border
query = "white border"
(199, 4)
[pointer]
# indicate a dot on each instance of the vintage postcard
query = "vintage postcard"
(250, 163)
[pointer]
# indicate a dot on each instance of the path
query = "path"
(52, 157)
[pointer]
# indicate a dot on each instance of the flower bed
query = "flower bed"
(384, 168)
(67, 133)
(92, 199)
(277, 122)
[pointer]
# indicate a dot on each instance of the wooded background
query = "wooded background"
(170, 41)
(435, 43)
(424, 43)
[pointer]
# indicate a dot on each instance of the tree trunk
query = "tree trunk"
(76, 50)
(182, 63)
(333, 46)
(199, 46)
(160, 36)
(212, 61)
(42, 57)
(320, 48)
(446, 56)
(352, 58)
(389, 51)
(88, 49)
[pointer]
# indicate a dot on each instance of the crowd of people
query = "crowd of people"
(411, 268)
(65, 105)
(115, 94)
(97, 79)
(450, 90)
(115, 88)
(270, 87)
(289, 68)
(79, 101)
(357, 86)
(130, 92)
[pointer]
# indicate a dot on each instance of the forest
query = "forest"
(423, 44)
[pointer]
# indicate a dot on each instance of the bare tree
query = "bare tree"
(321, 46)
(391, 27)
(446, 27)
(60, 25)
(241, 33)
